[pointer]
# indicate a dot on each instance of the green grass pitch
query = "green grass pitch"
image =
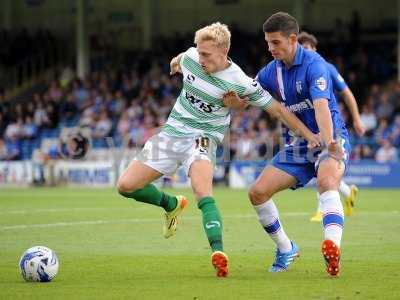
(112, 248)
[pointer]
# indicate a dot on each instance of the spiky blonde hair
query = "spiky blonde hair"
(216, 32)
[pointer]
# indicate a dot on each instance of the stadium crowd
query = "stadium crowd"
(130, 103)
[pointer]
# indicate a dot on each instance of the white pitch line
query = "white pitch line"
(63, 224)
(150, 220)
(102, 222)
(57, 210)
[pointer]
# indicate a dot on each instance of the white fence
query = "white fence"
(105, 173)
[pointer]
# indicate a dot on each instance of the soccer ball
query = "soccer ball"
(39, 263)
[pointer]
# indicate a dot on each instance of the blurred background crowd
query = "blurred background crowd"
(130, 100)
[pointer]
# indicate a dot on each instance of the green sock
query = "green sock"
(212, 222)
(150, 194)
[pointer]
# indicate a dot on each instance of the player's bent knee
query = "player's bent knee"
(257, 195)
(122, 186)
(125, 186)
(326, 183)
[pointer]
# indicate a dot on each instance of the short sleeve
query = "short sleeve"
(257, 94)
(263, 79)
(319, 80)
(189, 53)
(338, 82)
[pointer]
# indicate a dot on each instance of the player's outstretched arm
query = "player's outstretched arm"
(324, 120)
(325, 125)
(351, 104)
(291, 121)
(175, 65)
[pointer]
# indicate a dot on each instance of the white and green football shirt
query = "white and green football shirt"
(199, 110)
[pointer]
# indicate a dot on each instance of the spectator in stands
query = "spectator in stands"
(136, 134)
(30, 109)
(87, 118)
(3, 124)
(123, 124)
(18, 111)
(69, 109)
(264, 140)
(40, 116)
(80, 93)
(102, 127)
(113, 105)
(368, 118)
(149, 128)
(119, 98)
(375, 91)
(55, 91)
(395, 97)
(13, 148)
(29, 128)
(128, 89)
(384, 108)
(135, 111)
(246, 146)
(360, 152)
(3, 150)
(52, 119)
(386, 153)
(14, 129)
(395, 131)
(383, 131)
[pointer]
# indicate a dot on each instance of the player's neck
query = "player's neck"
(225, 65)
(291, 57)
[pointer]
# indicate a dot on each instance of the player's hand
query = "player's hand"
(335, 150)
(359, 127)
(232, 100)
(174, 66)
(314, 141)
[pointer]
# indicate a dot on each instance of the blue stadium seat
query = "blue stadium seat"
(99, 143)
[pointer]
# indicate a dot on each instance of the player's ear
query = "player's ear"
(225, 50)
(293, 38)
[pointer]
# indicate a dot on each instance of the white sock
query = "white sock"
(332, 220)
(268, 216)
(344, 189)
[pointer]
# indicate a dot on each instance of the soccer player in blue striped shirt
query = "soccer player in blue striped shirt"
(301, 81)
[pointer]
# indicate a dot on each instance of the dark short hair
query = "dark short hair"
(282, 22)
(305, 37)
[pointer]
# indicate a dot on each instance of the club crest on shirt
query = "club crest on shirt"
(321, 83)
(298, 86)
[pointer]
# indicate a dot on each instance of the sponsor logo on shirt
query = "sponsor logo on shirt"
(190, 78)
(201, 105)
(299, 107)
